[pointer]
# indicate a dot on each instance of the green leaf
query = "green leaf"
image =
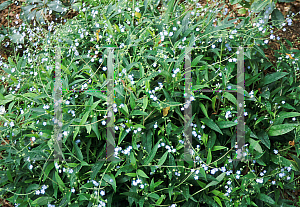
(211, 140)
(132, 101)
(78, 152)
(214, 99)
(97, 94)
(263, 136)
(132, 160)
(17, 38)
(59, 180)
(137, 112)
(281, 129)
(265, 198)
(152, 154)
(209, 156)
(142, 174)
(197, 87)
(219, 179)
(255, 145)
(211, 124)
(160, 200)
(186, 192)
(95, 127)
(163, 158)
(41, 201)
(48, 169)
(230, 97)
(203, 110)
(4, 5)
(241, 11)
(96, 168)
(258, 6)
(9, 177)
(277, 17)
(32, 187)
(284, 114)
(196, 60)
(125, 109)
(131, 174)
(217, 199)
(216, 148)
(153, 195)
(226, 124)
(270, 78)
(109, 178)
(145, 103)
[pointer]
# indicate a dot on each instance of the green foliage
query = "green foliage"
(152, 166)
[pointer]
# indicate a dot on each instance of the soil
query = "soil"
(292, 34)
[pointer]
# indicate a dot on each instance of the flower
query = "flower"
(2, 109)
(260, 180)
(275, 151)
(102, 193)
(71, 171)
(73, 190)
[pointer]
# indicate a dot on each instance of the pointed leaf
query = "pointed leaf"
(263, 136)
(281, 129)
(211, 124)
(152, 154)
(270, 78)
(266, 198)
(142, 174)
(163, 158)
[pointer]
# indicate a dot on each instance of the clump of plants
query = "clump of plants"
(149, 106)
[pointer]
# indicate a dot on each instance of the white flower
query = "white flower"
(103, 122)
(73, 190)
(283, 102)
(102, 193)
(260, 180)
(30, 167)
(37, 192)
(2, 109)
(275, 151)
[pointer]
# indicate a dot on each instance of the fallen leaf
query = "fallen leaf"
(166, 111)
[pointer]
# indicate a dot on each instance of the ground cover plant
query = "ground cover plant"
(149, 109)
